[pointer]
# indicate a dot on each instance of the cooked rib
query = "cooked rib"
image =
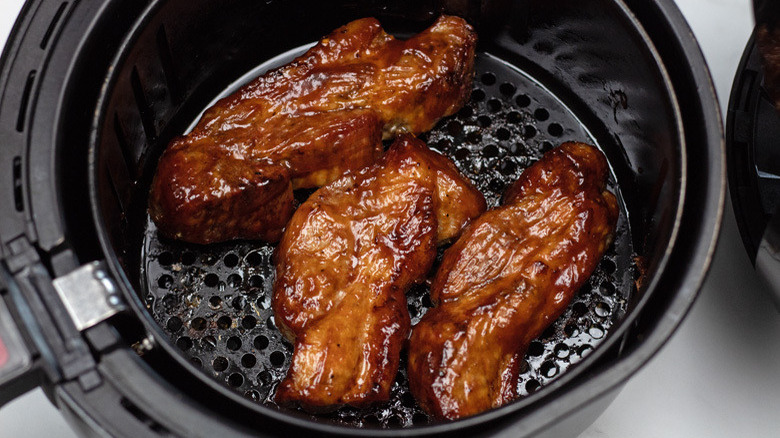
(344, 263)
(511, 274)
(313, 119)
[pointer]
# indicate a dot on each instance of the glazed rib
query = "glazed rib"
(310, 121)
(344, 263)
(511, 274)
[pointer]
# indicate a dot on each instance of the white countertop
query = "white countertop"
(719, 375)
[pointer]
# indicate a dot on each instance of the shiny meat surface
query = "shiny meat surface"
(512, 273)
(306, 123)
(344, 263)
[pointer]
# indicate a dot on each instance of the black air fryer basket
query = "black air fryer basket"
(135, 335)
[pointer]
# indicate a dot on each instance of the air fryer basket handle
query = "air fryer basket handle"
(18, 370)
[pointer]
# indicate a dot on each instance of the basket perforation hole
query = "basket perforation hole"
(541, 114)
(562, 351)
(462, 153)
(571, 330)
(165, 281)
(503, 134)
(233, 343)
(454, 128)
(517, 149)
(474, 137)
(215, 302)
(546, 146)
(261, 342)
(444, 145)
(494, 105)
(514, 117)
(488, 78)
(231, 260)
(234, 280)
(579, 308)
(174, 324)
(165, 258)
(196, 361)
(507, 167)
(602, 309)
(477, 95)
(277, 359)
(607, 288)
(484, 121)
(263, 303)
(265, 378)
(507, 89)
(211, 280)
(532, 385)
(248, 360)
(253, 395)
(220, 364)
(523, 101)
(596, 331)
(466, 112)
(170, 301)
(496, 186)
(248, 322)
(608, 266)
(490, 151)
(239, 302)
(224, 322)
(256, 281)
(555, 129)
(254, 259)
(184, 343)
(529, 131)
(198, 324)
(549, 369)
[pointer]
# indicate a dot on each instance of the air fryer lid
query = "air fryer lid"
(123, 78)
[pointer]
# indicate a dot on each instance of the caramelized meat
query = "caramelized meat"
(344, 263)
(305, 124)
(511, 274)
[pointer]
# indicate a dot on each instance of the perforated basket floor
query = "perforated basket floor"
(214, 301)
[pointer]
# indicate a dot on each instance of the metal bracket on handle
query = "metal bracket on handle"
(89, 295)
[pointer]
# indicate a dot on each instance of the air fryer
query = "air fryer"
(132, 334)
